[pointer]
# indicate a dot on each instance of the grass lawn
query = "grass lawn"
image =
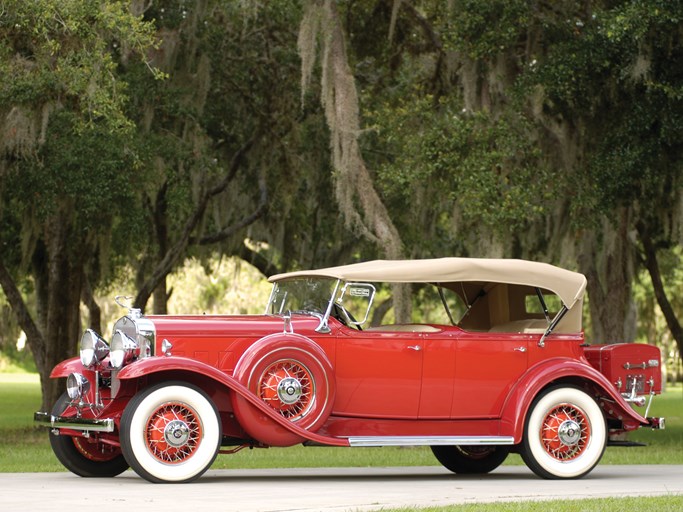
(658, 503)
(24, 448)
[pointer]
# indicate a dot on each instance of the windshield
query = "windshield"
(310, 295)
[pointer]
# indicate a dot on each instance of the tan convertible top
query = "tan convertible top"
(569, 286)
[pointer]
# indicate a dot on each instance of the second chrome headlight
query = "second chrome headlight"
(93, 348)
(123, 350)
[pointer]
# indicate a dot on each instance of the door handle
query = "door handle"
(520, 349)
(416, 348)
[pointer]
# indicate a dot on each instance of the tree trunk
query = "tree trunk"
(606, 258)
(161, 227)
(650, 256)
(59, 277)
(54, 332)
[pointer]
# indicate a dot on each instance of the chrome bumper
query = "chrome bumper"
(656, 423)
(43, 419)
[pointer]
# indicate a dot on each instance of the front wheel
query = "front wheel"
(86, 457)
(170, 432)
(565, 434)
(470, 459)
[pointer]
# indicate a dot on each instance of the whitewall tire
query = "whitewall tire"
(170, 432)
(565, 434)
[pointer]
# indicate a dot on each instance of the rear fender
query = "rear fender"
(146, 367)
(555, 370)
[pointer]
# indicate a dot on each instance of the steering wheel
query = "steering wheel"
(342, 314)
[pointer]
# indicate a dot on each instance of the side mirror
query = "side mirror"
(355, 301)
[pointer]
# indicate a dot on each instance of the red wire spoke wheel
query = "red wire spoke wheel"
(96, 451)
(174, 432)
(288, 387)
(565, 434)
(170, 432)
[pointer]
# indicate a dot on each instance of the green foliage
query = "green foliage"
(616, 74)
(94, 168)
(483, 29)
(485, 168)
(64, 51)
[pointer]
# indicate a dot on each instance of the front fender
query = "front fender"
(67, 367)
(149, 366)
(547, 372)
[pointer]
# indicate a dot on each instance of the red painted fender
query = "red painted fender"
(67, 367)
(544, 373)
(174, 363)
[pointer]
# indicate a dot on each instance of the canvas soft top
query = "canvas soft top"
(569, 286)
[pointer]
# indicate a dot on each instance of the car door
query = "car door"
(487, 366)
(378, 374)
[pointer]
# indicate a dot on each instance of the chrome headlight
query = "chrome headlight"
(123, 350)
(76, 386)
(93, 348)
(140, 329)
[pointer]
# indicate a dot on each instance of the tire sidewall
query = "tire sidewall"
(73, 459)
(134, 425)
(535, 455)
(458, 460)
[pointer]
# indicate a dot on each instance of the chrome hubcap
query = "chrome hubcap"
(289, 390)
(569, 433)
(176, 433)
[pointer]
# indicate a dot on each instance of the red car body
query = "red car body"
(195, 386)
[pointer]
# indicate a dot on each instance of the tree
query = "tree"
(67, 164)
(106, 167)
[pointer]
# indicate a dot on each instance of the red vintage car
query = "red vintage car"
(507, 370)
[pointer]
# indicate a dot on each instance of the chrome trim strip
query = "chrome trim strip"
(44, 419)
(430, 440)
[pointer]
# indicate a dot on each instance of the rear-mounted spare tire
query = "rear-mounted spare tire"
(294, 377)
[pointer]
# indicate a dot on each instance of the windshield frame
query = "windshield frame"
(323, 314)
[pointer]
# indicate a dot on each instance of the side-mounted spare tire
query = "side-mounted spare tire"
(294, 377)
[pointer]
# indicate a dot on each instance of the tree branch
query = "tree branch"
(175, 253)
(258, 261)
(88, 299)
(650, 260)
(244, 222)
(34, 337)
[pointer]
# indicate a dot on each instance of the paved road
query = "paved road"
(329, 489)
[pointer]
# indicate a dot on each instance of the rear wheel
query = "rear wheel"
(86, 457)
(170, 432)
(470, 459)
(565, 434)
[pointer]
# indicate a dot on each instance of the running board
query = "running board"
(430, 440)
